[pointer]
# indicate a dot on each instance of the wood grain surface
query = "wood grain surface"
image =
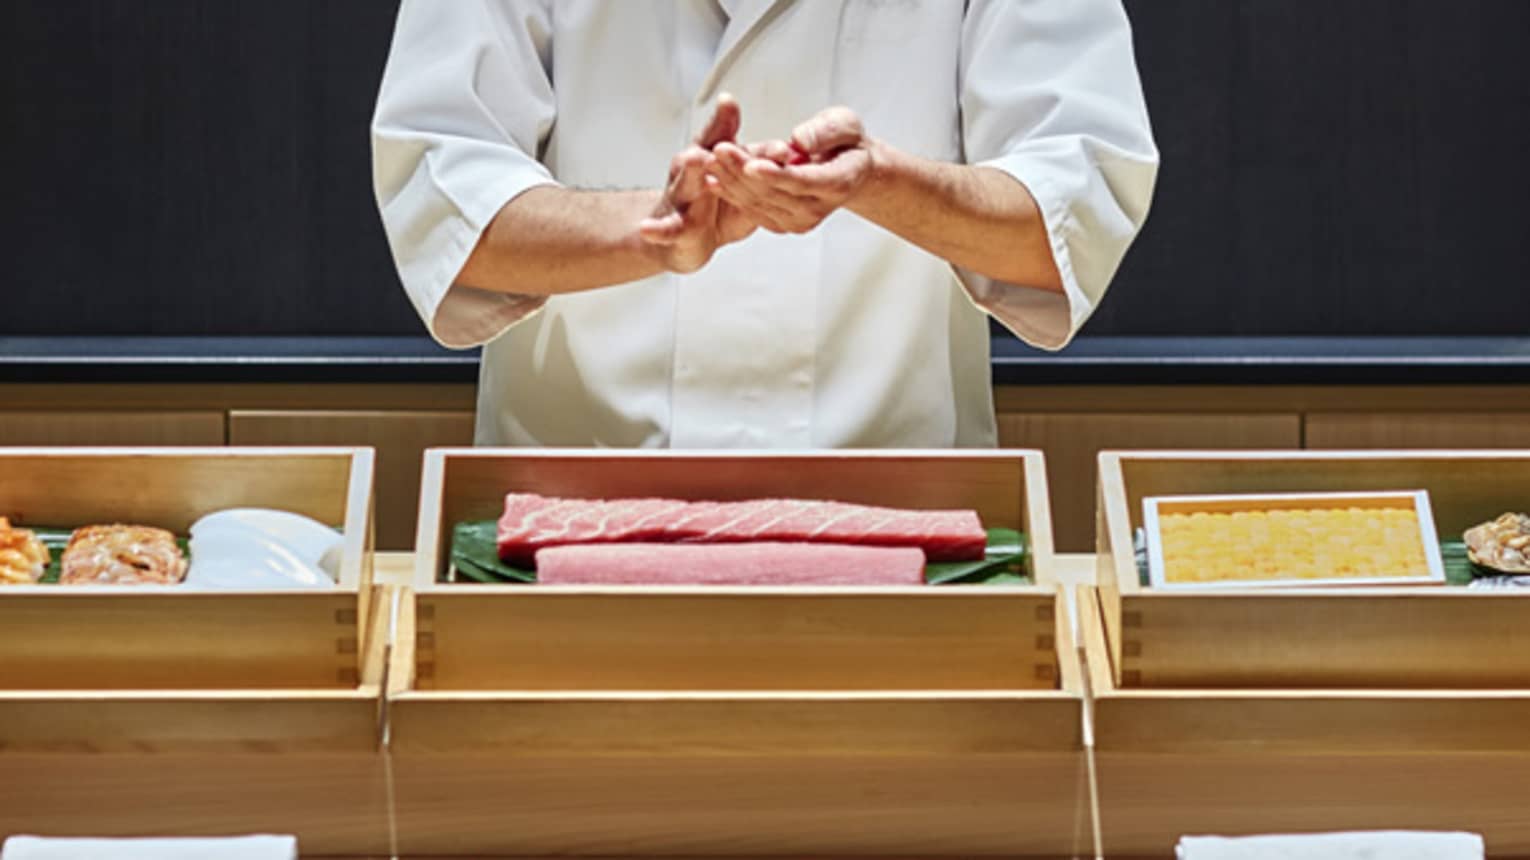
(112, 428)
(1071, 442)
(1402, 430)
(399, 437)
(1407, 637)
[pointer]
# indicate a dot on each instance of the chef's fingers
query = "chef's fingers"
(778, 151)
(768, 214)
(731, 184)
(703, 211)
(724, 124)
(832, 129)
(734, 162)
(727, 185)
(829, 180)
(776, 213)
(687, 176)
(730, 157)
(726, 166)
(759, 173)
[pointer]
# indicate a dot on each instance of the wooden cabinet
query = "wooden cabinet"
(1402, 430)
(399, 437)
(105, 429)
(1071, 442)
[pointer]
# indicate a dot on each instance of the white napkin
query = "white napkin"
(231, 848)
(1377, 845)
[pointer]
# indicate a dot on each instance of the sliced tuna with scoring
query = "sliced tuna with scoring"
(532, 522)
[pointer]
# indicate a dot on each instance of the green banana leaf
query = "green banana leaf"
(1004, 564)
(475, 556)
(54, 540)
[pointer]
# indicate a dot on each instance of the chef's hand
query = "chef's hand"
(689, 224)
(791, 186)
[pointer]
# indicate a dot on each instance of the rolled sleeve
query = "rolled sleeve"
(447, 156)
(1050, 96)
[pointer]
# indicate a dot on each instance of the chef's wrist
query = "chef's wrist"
(656, 256)
(885, 165)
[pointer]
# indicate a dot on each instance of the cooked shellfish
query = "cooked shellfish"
(1503, 544)
(122, 555)
(23, 558)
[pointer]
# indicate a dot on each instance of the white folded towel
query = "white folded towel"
(1376, 845)
(231, 848)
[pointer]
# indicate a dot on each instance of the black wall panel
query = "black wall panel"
(1330, 167)
(194, 167)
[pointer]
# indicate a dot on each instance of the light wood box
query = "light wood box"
(1421, 637)
(126, 711)
(539, 720)
(1245, 761)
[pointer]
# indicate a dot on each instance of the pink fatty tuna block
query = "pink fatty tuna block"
(532, 522)
(729, 564)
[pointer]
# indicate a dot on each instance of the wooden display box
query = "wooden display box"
(540, 720)
(1171, 762)
(131, 711)
(1412, 636)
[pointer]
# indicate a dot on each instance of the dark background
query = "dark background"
(1330, 167)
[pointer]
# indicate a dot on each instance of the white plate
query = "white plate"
(308, 539)
(237, 557)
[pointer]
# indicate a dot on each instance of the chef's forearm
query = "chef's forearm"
(552, 240)
(978, 218)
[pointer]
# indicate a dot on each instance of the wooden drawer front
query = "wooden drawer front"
(399, 437)
(957, 638)
(1148, 801)
(1175, 761)
(106, 429)
(709, 805)
(1071, 442)
(1402, 430)
(335, 801)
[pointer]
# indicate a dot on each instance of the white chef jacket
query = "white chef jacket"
(845, 337)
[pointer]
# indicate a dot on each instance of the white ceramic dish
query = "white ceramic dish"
(257, 548)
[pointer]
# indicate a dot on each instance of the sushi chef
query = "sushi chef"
(756, 223)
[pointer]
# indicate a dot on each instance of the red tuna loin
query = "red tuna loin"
(533, 522)
(729, 564)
